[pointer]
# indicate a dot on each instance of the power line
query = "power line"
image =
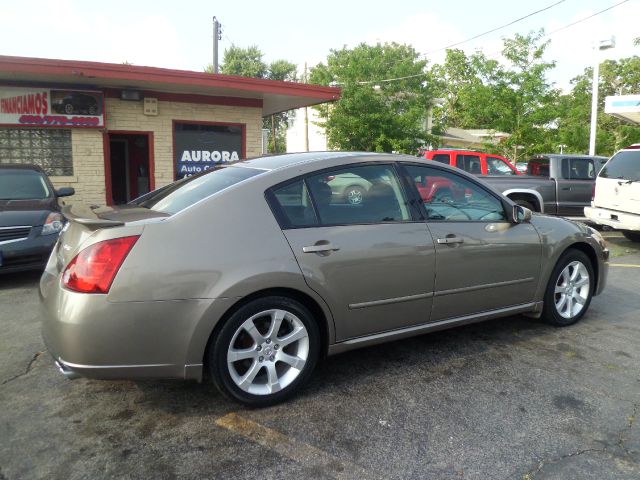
(496, 29)
(585, 18)
(369, 82)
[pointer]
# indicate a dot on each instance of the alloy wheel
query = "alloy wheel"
(268, 352)
(572, 289)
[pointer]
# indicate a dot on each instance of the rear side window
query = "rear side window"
(470, 163)
(538, 167)
(442, 158)
(295, 205)
(623, 165)
(21, 184)
(578, 169)
(181, 194)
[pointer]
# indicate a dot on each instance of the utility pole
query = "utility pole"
(306, 116)
(217, 35)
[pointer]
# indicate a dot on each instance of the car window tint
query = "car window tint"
(379, 196)
(623, 165)
(442, 158)
(186, 192)
(497, 166)
(23, 185)
(470, 163)
(451, 198)
(295, 204)
(578, 168)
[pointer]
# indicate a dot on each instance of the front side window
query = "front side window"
(450, 198)
(18, 184)
(497, 166)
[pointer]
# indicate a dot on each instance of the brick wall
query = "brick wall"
(88, 152)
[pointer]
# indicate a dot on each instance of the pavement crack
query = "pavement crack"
(621, 436)
(531, 475)
(26, 370)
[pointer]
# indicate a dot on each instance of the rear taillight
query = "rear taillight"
(95, 267)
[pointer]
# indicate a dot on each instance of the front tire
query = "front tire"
(265, 351)
(569, 290)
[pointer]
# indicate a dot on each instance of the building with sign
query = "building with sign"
(114, 132)
(624, 107)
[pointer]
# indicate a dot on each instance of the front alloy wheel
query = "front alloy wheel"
(265, 351)
(569, 290)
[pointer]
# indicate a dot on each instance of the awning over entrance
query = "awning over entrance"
(625, 107)
(272, 96)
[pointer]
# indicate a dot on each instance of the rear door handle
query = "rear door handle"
(450, 239)
(320, 248)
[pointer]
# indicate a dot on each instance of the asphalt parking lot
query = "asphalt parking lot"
(507, 399)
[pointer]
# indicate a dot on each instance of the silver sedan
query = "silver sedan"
(253, 271)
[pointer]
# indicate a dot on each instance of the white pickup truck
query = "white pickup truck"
(616, 202)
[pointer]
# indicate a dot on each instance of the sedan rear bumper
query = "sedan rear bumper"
(90, 336)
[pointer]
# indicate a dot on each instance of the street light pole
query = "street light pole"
(602, 45)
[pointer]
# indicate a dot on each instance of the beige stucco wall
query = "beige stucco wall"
(88, 150)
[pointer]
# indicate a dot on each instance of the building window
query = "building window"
(49, 149)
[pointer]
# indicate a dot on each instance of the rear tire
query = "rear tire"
(569, 290)
(632, 235)
(265, 351)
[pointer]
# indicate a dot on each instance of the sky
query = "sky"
(178, 34)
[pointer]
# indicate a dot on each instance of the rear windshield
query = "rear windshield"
(623, 165)
(23, 185)
(538, 167)
(179, 195)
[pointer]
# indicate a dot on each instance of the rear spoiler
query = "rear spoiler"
(91, 221)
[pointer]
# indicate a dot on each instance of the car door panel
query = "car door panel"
(378, 277)
(494, 265)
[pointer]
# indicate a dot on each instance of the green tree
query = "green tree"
(617, 77)
(512, 97)
(375, 114)
(248, 62)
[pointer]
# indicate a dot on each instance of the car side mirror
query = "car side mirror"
(65, 192)
(521, 214)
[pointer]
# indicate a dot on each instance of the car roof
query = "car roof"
(21, 166)
(276, 162)
(566, 155)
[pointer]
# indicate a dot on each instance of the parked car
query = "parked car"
(554, 184)
(616, 200)
(250, 272)
(477, 163)
(73, 103)
(30, 218)
(348, 188)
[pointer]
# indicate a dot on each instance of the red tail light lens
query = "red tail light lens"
(95, 267)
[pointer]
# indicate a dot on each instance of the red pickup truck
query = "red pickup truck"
(477, 163)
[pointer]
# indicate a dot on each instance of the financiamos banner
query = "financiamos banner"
(23, 106)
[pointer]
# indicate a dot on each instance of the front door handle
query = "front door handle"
(320, 247)
(449, 239)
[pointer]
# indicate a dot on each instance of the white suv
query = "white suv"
(616, 200)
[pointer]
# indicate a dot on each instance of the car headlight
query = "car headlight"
(53, 224)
